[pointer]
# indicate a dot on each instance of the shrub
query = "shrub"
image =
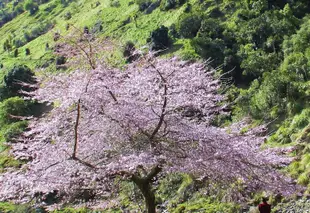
(16, 53)
(10, 131)
(128, 52)
(18, 74)
(168, 4)
(143, 4)
(98, 27)
(27, 51)
(188, 25)
(159, 39)
(86, 30)
(173, 31)
(60, 60)
(31, 6)
(115, 3)
(47, 47)
(15, 106)
(171, 4)
(37, 31)
(67, 15)
(18, 43)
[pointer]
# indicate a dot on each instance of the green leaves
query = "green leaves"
(12, 108)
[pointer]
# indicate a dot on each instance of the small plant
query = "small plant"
(97, 27)
(27, 51)
(60, 60)
(86, 30)
(115, 3)
(67, 15)
(128, 52)
(171, 4)
(47, 47)
(16, 53)
(57, 35)
(143, 4)
(67, 26)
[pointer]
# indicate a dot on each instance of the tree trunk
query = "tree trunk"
(144, 184)
(148, 194)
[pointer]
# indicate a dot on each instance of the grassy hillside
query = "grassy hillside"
(261, 49)
(117, 23)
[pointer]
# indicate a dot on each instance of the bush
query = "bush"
(67, 15)
(171, 4)
(27, 51)
(37, 31)
(168, 4)
(143, 4)
(18, 43)
(115, 3)
(31, 6)
(128, 52)
(98, 27)
(60, 60)
(18, 74)
(10, 131)
(16, 53)
(15, 106)
(188, 25)
(159, 39)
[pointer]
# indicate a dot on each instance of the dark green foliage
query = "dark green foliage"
(18, 43)
(115, 3)
(16, 53)
(67, 28)
(171, 4)
(60, 60)
(8, 132)
(31, 6)
(128, 52)
(143, 4)
(27, 51)
(189, 24)
(47, 47)
(173, 31)
(210, 48)
(11, 108)
(67, 15)
(86, 30)
(37, 31)
(7, 45)
(9, 13)
(159, 39)
(98, 27)
(14, 77)
(65, 3)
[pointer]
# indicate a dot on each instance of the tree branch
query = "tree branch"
(76, 129)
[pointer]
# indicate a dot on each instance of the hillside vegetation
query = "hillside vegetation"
(260, 49)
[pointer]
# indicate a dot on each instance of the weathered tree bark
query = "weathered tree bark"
(144, 184)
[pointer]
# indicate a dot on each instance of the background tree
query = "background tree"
(159, 39)
(31, 6)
